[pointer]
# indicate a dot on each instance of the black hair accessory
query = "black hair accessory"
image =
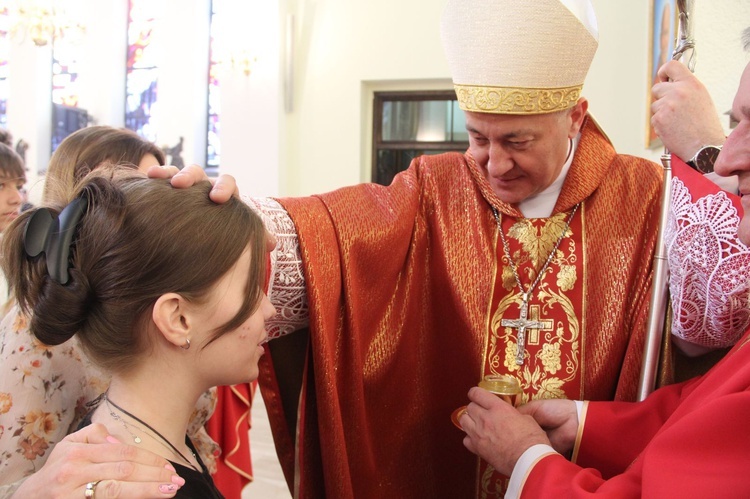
(52, 235)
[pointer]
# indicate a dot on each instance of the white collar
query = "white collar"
(540, 205)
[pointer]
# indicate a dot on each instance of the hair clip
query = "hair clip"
(53, 235)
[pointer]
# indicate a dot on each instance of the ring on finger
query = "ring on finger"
(90, 489)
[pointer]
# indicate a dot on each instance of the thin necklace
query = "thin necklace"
(523, 323)
(136, 438)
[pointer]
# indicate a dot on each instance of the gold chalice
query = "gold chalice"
(506, 387)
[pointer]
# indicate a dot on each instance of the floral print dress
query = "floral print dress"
(43, 395)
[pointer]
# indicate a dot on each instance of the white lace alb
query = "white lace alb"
(708, 269)
(286, 287)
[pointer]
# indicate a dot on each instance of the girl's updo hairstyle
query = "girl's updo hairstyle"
(138, 239)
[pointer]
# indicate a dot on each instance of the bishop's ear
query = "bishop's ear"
(577, 115)
(171, 316)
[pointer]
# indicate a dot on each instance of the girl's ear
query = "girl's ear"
(170, 314)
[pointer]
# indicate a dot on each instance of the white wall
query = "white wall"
(343, 51)
(617, 84)
(251, 105)
(351, 46)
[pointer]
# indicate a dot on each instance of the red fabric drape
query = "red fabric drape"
(229, 426)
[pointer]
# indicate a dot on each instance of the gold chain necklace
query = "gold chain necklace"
(523, 323)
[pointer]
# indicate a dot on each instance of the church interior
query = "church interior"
(296, 97)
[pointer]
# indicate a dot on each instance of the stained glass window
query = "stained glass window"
(4, 55)
(213, 142)
(64, 73)
(142, 70)
(66, 117)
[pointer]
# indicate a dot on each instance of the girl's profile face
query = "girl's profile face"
(233, 357)
(11, 199)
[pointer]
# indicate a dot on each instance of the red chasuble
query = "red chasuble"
(408, 286)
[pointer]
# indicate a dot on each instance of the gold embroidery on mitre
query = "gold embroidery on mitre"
(511, 100)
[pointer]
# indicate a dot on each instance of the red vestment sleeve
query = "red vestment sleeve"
(625, 426)
(705, 455)
(687, 440)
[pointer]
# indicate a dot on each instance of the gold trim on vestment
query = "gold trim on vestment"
(584, 282)
(579, 433)
(487, 327)
(515, 100)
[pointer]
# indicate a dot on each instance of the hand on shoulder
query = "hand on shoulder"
(91, 457)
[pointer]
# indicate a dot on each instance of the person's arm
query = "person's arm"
(286, 283)
(92, 455)
(516, 441)
(685, 118)
(683, 113)
(696, 454)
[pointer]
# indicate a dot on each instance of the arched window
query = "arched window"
(67, 117)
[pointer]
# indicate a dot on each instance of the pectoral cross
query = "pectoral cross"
(522, 324)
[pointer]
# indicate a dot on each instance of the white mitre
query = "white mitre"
(519, 56)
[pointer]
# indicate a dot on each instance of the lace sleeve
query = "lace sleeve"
(708, 268)
(286, 287)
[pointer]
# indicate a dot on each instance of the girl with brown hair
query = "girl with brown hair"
(163, 289)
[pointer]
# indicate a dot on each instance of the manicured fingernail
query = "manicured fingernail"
(167, 488)
(178, 480)
(170, 467)
(112, 440)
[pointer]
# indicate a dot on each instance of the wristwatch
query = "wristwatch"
(704, 159)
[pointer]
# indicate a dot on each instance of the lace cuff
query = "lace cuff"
(286, 286)
(708, 268)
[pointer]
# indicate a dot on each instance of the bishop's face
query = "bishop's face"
(734, 158)
(521, 155)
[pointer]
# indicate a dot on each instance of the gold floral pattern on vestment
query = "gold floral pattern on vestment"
(545, 375)
(556, 358)
(535, 246)
(514, 100)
